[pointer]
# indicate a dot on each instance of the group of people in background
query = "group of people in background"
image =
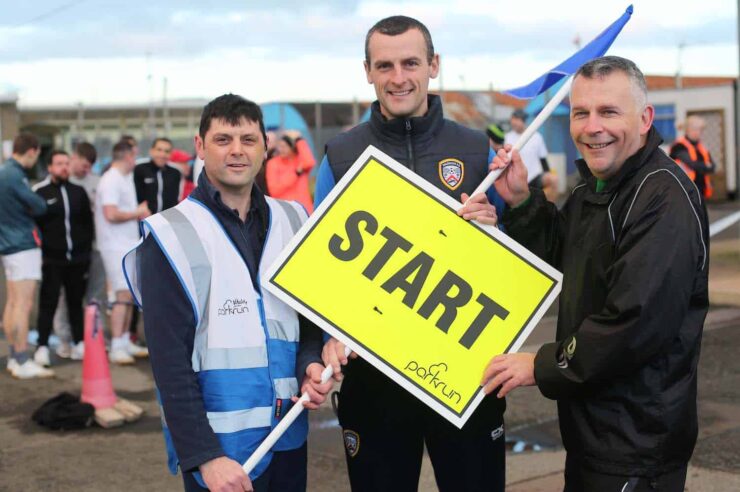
(70, 231)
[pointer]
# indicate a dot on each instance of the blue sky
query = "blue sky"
(95, 51)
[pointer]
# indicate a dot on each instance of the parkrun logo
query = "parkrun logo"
(234, 306)
(430, 376)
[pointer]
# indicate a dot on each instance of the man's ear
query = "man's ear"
(367, 72)
(434, 66)
(646, 119)
(199, 147)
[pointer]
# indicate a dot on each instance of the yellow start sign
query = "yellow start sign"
(387, 266)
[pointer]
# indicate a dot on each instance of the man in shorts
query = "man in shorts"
(116, 223)
(21, 255)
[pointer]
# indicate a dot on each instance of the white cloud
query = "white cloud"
(313, 51)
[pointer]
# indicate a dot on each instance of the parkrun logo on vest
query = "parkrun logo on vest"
(234, 306)
(429, 375)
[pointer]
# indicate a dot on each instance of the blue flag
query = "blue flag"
(596, 48)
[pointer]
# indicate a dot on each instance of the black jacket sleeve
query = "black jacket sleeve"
(139, 174)
(537, 225)
(169, 324)
(681, 153)
(659, 252)
(86, 220)
(309, 348)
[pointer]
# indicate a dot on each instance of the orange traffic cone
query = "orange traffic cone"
(97, 387)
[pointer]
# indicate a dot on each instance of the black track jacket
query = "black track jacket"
(67, 226)
(635, 262)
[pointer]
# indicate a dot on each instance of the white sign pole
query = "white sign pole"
(533, 127)
(285, 422)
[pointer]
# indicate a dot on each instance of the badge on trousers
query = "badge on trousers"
(351, 442)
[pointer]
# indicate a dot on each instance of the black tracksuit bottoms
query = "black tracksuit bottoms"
(579, 478)
(71, 276)
(385, 429)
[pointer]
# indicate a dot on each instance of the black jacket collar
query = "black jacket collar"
(631, 166)
(429, 124)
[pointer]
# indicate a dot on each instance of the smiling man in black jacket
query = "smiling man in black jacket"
(156, 182)
(66, 244)
(632, 243)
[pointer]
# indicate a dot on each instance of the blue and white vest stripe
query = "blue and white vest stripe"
(246, 340)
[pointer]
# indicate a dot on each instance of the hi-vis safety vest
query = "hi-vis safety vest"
(246, 340)
(694, 152)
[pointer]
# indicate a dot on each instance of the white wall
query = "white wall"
(704, 99)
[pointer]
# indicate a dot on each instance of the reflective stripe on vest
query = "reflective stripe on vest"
(246, 341)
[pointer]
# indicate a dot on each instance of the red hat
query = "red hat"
(179, 156)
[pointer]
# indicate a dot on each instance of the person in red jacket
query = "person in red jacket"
(287, 172)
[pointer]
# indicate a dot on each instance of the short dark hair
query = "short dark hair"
(399, 24)
(605, 65)
(25, 142)
(87, 151)
(121, 149)
(56, 152)
(231, 108)
(161, 139)
(129, 139)
(289, 141)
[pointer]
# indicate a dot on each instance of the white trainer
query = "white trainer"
(41, 357)
(12, 364)
(120, 357)
(30, 370)
(78, 351)
(136, 351)
(63, 350)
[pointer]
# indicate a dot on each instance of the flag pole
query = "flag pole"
(285, 422)
(531, 129)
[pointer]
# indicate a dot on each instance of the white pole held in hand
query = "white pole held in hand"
(533, 127)
(285, 422)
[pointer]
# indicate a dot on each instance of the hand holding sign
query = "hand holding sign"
(512, 186)
(335, 355)
(478, 208)
(508, 371)
(314, 386)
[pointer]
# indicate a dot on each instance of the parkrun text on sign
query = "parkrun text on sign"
(386, 266)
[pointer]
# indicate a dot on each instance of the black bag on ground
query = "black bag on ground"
(64, 412)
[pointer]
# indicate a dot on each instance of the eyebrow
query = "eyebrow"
(232, 135)
(377, 63)
(598, 108)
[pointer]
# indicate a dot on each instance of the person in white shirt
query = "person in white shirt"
(117, 232)
(534, 152)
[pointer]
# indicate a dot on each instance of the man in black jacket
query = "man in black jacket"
(66, 244)
(385, 428)
(157, 183)
(632, 243)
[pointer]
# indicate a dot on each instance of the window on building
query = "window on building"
(665, 121)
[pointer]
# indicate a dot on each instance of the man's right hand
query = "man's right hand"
(142, 211)
(225, 475)
(512, 185)
(333, 354)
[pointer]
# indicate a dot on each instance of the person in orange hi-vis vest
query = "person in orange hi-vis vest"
(691, 155)
(287, 172)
